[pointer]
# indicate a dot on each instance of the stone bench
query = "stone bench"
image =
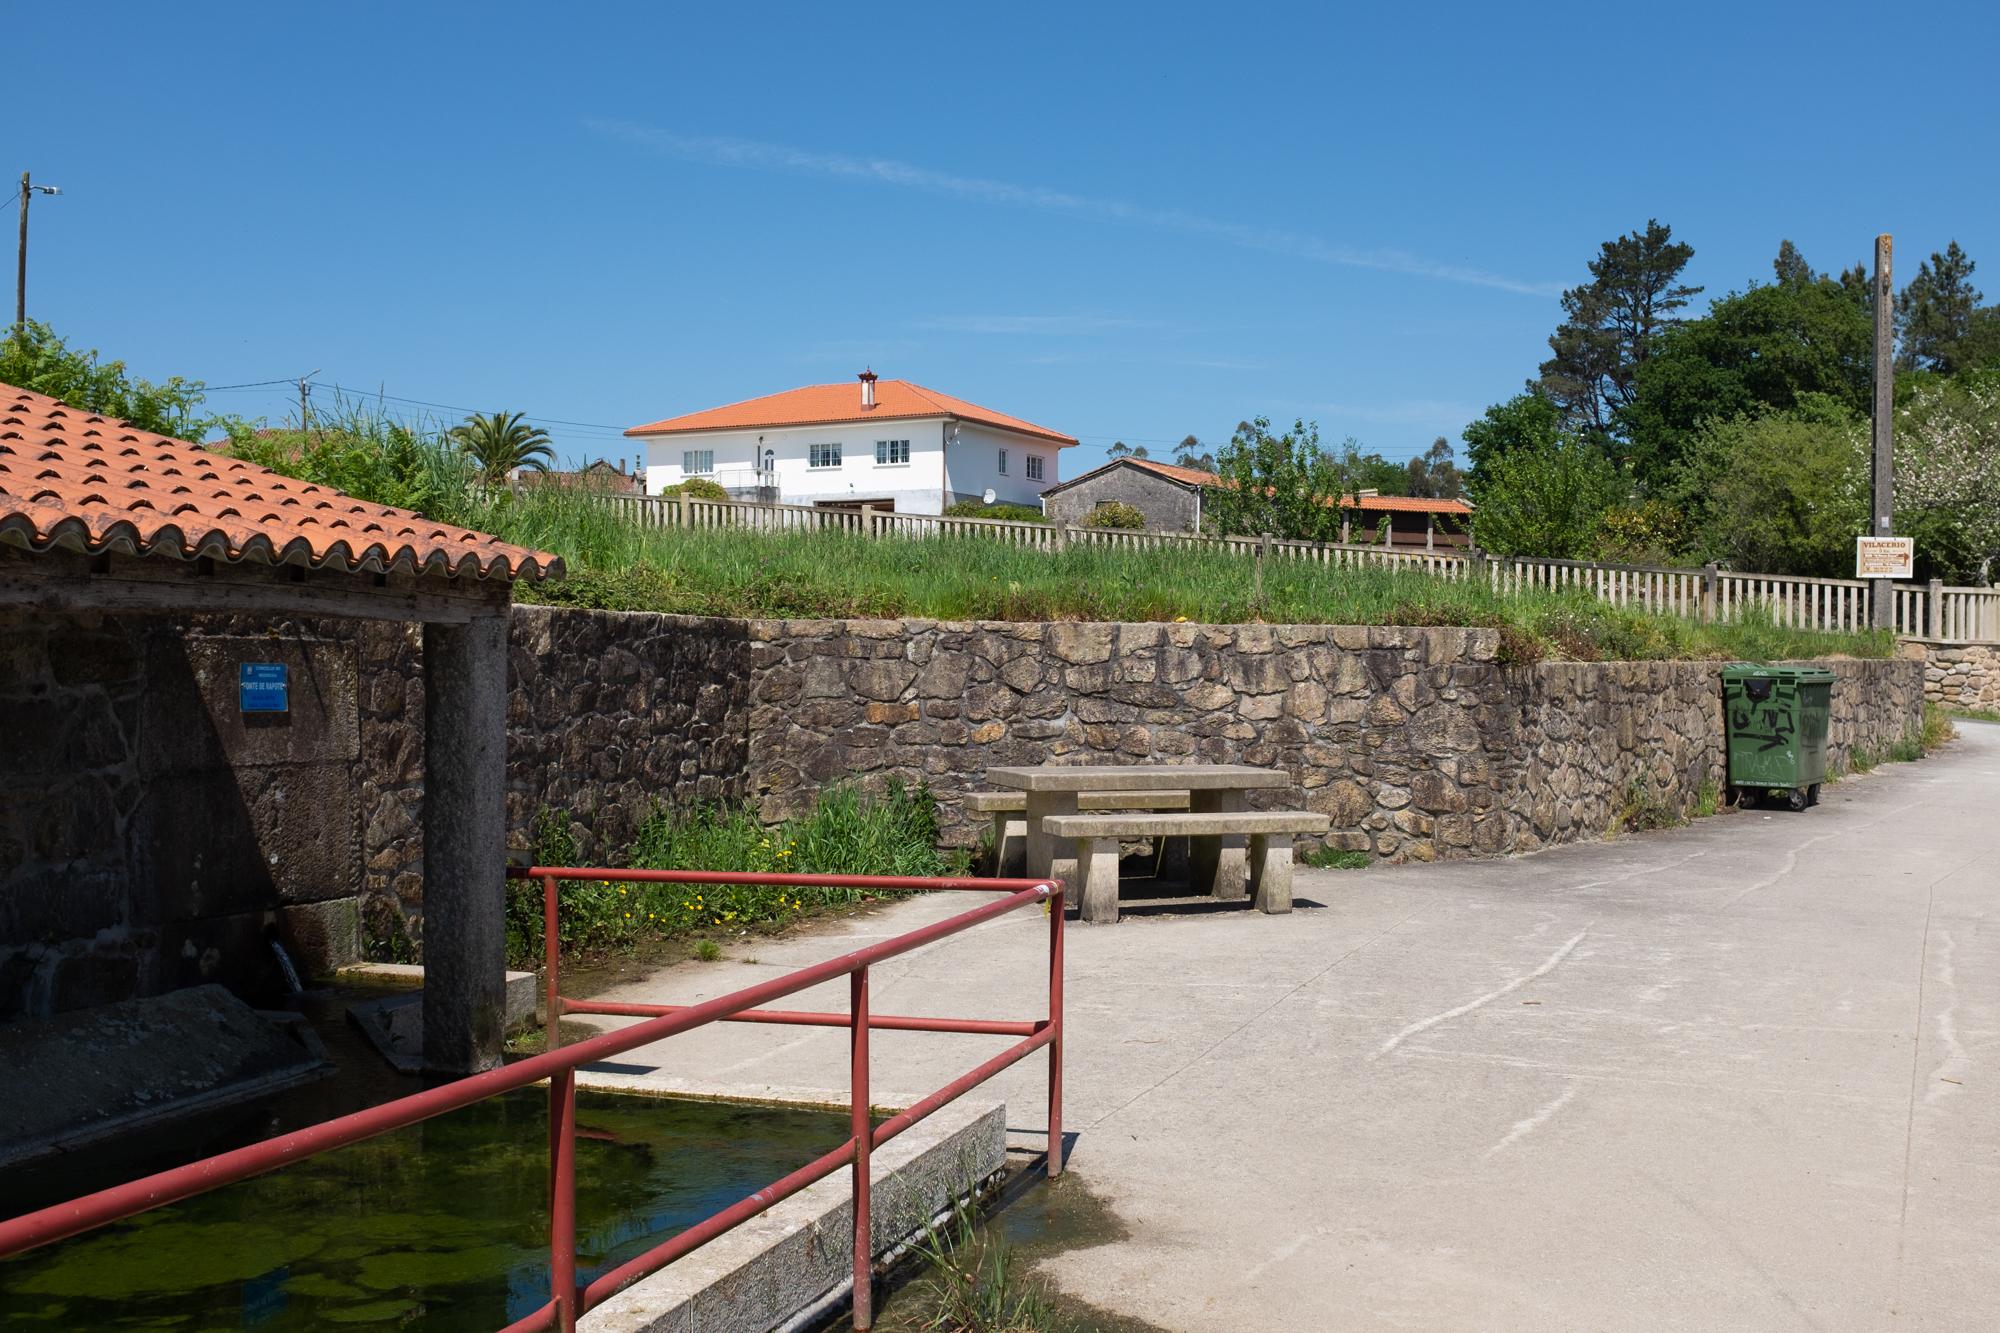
(1010, 825)
(1270, 833)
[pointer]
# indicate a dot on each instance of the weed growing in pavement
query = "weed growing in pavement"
(1336, 858)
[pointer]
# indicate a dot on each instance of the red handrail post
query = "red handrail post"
(864, 1139)
(562, 1200)
(552, 1016)
(551, 946)
(1056, 913)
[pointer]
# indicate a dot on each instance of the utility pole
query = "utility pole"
(305, 390)
(1883, 598)
(21, 263)
(28, 191)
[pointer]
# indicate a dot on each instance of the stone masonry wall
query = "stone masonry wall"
(1420, 743)
(1962, 675)
(608, 714)
(150, 832)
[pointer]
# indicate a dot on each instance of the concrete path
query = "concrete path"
(1735, 1076)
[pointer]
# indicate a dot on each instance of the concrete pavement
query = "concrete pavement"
(1733, 1076)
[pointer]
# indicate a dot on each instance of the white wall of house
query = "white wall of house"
(972, 464)
(920, 486)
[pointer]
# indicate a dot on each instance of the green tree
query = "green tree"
(1120, 449)
(1286, 484)
(1936, 313)
(34, 357)
(1372, 472)
(1764, 348)
(1530, 421)
(1434, 474)
(1611, 323)
(1191, 454)
(503, 443)
(1781, 491)
(1948, 476)
(1547, 501)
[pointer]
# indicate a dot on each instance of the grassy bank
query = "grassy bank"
(617, 565)
(845, 834)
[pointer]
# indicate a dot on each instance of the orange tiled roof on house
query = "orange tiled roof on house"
(1402, 504)
(74, 480)
(830, 404)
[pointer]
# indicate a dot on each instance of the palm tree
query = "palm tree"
(503, 443)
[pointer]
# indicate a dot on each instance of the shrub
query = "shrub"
(697, 488)
(846, 833)
(1011, 512)
(1115, 514)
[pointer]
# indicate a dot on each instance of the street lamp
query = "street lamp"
(28, 191)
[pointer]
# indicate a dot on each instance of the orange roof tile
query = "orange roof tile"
(73, 480)
(1189, 476)
(827, 404)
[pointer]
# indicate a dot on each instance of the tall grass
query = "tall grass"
(619, 565)
(845, 833)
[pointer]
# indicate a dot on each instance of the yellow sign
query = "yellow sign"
(1885, 557)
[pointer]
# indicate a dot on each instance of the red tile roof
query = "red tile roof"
(1187, 476)
(827, 404)
(77, 481)
(1402, 504)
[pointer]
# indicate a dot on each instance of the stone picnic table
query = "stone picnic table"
(1217, 865)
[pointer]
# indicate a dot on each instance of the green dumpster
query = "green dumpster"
(1775, 721)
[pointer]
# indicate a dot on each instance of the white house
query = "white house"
(887, 443)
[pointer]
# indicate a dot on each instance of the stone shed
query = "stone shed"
(179, 692)
(1169, 496)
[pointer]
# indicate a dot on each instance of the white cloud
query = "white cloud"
(723, 151)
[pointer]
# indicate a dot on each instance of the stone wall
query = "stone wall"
(1962, 675)
(1420, 743)
(609, 714)
(150, 832)
(1168, 506)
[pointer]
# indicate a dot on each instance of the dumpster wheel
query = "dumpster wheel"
(1797, 799)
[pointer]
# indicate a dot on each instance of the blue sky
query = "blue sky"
(1123, 222)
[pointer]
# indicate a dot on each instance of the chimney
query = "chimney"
(867, 388)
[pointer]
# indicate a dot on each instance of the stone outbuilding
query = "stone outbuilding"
(1169, 496)
(178, 686)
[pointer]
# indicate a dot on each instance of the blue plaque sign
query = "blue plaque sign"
(262, 687)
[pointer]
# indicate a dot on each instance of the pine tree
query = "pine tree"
(1612, 323)
(1935, 314)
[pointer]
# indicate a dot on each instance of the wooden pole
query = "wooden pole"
(21, 263)
(1883, 591)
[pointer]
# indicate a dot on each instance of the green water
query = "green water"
(440, 1227)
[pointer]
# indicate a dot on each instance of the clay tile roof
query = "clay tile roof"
(73, 480)
(827, 404)
(1407, 504)
(1190, 476)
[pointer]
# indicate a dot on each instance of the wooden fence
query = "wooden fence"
(1932, 611)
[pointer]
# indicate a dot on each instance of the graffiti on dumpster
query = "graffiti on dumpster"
(1775, 721)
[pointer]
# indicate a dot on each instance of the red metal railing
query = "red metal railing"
(559, 1064)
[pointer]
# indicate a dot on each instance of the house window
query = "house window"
(1003, 462)
(697, 462)
(823, 455)
(1034, 467)
(892, 453)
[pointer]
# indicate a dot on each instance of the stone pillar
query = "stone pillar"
(465, 843)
